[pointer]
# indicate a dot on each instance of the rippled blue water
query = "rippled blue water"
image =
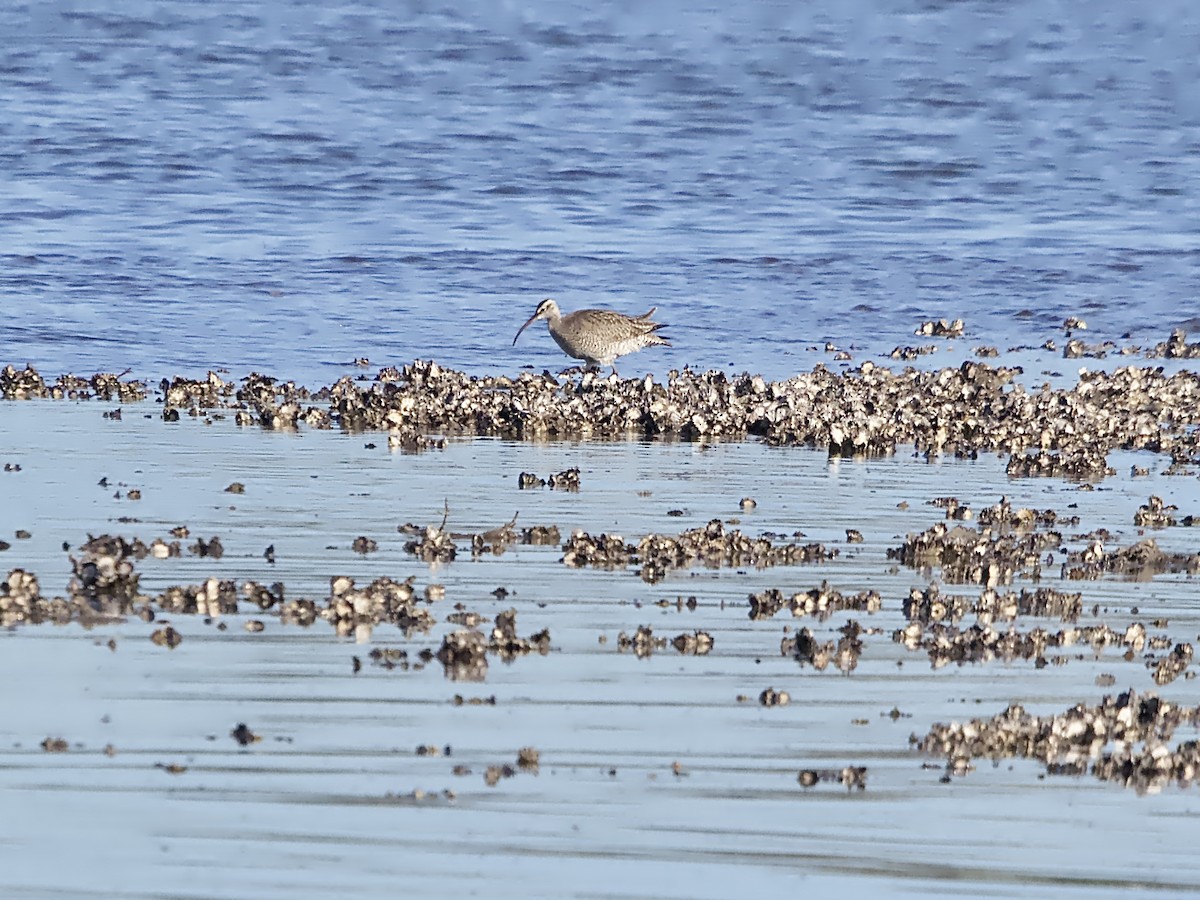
(289, 185)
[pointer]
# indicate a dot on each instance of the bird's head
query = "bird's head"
(547, 309)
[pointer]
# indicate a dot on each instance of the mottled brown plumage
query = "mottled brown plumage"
(597, 336)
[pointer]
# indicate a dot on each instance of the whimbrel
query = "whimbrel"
(597, 336)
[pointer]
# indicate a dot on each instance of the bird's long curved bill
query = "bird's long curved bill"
(532, 319)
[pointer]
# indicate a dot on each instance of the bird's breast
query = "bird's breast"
(568, 346)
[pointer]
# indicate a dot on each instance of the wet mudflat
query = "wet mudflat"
(633, 730)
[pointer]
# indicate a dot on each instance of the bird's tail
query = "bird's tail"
(652, 338)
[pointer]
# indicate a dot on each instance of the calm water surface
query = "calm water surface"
(288, 186)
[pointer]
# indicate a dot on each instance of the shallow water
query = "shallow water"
(323, 804)
(286, 188)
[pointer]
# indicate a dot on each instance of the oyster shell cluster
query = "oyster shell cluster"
(713, 545)
(464, 652)
(819, 602)
(1124, 738)
(27, 384)
(974, 408)
(927, 606)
